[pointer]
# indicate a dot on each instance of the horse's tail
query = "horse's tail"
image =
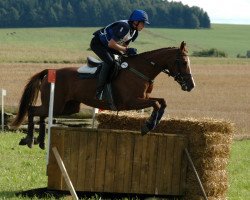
(29, 97)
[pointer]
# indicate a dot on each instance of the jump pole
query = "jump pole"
(51, 80)
(95, 111)
(3, 95)
(196, 174)
(65, 173)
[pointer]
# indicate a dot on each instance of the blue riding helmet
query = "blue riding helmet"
(139, 15)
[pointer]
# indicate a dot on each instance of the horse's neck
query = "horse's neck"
(161, 57)
(153, 62)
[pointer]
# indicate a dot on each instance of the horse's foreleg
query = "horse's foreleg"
(155, 117)
(146, 103)
(41, 136)
(150, 123)
(161, 111)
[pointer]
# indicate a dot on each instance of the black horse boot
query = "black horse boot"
(102, 79)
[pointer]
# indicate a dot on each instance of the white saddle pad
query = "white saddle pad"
(87, 70)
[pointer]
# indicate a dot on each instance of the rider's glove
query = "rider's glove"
(131, 51)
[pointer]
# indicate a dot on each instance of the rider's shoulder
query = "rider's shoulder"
(122, 23)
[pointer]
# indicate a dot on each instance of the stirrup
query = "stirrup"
(99, 95)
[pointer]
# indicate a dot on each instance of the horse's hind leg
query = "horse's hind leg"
(70, 107)
(29, 139)
(42, 112)
(41, 137)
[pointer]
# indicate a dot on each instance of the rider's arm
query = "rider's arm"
(114, 45)
(119, 31)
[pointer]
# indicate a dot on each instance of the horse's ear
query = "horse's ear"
(183, 46)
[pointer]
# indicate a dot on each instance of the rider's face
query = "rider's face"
(139, 25)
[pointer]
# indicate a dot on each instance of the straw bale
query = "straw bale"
(209, 142)
(205, 139)
(120, 122)
(134, 120)
(212, 189)
(216, 188)
(222, 151)
(212, 163)
(200, 197)
(213, 138)
(209, 176)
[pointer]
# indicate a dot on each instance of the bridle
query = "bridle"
(178, 76)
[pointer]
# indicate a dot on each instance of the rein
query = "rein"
(179, 77)
(140, 75)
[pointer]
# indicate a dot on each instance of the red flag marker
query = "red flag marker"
(52, 76)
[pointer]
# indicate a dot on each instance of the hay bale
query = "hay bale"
(220, 150)
(209, 146)
(214, 182)
(199, 197)
(134, 120)
(212, 163)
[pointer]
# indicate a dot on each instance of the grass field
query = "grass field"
(22, 169)
(71, 44)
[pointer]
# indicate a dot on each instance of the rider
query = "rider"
(114, 39)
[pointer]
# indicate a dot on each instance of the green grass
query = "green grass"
(20, 168)
(239, 171)
(229, 38)
(24, 169)
(44, 44)
(67, 45)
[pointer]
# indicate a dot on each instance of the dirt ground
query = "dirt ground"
(221, 92)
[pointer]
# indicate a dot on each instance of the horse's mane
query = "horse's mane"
(149, 54)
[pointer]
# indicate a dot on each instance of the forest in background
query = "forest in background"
(90, 13)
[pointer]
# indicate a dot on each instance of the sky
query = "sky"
(223, 11)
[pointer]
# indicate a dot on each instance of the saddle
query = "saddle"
(91, 71)
(93, 62)
(93, 67)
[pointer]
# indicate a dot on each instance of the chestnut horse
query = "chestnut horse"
(130, 90)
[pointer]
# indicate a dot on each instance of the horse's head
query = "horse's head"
(181, 69)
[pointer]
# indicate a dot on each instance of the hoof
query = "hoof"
(40, 141)
(42, 146)
(27, 141)
(23, 142)
(144, 129)
(30, 142)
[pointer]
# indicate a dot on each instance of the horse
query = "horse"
(131, 90)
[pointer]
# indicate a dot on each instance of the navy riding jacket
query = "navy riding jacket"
(121, 31)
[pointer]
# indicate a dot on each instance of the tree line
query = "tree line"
(89, 13)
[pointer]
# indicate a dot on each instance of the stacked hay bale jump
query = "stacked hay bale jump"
(116, 158)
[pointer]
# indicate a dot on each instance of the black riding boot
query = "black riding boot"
(103, 76)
